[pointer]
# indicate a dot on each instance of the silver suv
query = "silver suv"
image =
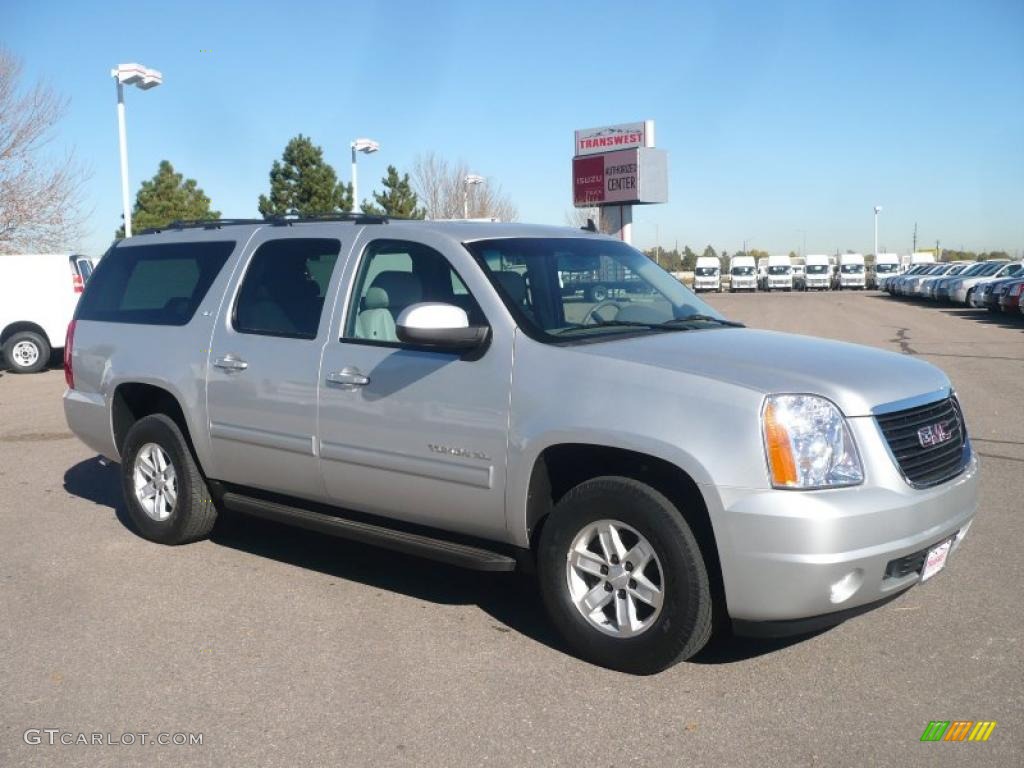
(432, 388)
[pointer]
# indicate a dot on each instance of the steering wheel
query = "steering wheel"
(588, 319)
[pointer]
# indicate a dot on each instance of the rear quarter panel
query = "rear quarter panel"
(174, 358)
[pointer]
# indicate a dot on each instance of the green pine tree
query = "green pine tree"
(168, 197)
(397, 199)
(302, 183)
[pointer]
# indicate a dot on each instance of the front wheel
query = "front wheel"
(623, 578)
(167, 497)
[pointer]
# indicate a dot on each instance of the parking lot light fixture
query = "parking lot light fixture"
(142, 78)
(878, 210)
(470, 180)
(366, 146)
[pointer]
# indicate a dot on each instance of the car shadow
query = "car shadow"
(511, 599)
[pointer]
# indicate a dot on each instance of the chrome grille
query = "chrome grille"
(927, 465)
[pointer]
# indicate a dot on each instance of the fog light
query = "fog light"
(843, 589)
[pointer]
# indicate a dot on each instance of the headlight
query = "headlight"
(808, 443)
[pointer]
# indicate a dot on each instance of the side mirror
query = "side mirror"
(432, 324)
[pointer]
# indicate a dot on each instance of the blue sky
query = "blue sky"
(782, 120)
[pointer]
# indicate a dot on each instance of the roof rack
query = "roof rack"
(280, 221)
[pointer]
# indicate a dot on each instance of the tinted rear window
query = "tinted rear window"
(153, 284)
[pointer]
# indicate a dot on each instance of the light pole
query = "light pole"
(878, 210)
(366, 146)
(471, 180)
(144, 78)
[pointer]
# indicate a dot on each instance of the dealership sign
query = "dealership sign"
(608, 138)
(625, 177)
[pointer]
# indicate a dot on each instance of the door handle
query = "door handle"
(230, 363)
(348, 377)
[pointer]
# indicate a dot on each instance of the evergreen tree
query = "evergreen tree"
(710, 252)
(302, 183)
(168, 197)
(397, 199)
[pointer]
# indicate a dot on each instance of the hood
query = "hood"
(856, 378)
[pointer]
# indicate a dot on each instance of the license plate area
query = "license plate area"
(936, 559)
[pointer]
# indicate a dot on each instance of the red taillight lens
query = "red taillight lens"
(69, 343)
(77, 283)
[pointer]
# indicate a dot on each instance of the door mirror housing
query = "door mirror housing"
(445, 326)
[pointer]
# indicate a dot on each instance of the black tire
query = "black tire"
(684, 624)
(598, 293)
(194, 511)
(20, 339)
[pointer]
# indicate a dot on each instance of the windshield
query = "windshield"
(707, 271)
(778, 270)
(742, 270)
(614, 289)
(1011, 270)
(884, 269)
(851, 269)
(817, 269)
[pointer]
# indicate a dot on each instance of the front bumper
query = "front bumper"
(748, 284)
(844, 283)
(793, 555)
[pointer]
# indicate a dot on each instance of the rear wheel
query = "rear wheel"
(167, 497)
(26, 352)
(623, 578)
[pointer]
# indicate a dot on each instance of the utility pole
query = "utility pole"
(938, 254)
(915, 236)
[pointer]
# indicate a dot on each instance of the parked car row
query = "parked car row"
(995, 284)
(815, 272)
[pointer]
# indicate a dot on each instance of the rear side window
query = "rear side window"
(153, 284)
(284, 288)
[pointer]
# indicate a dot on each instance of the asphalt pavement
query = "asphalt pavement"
(281, 647)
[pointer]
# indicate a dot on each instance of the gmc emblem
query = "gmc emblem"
(935, 434)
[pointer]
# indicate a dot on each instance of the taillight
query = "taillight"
(77, 284)
(69, 343)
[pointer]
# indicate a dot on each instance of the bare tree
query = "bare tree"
(39, 197)
(578, 217)
(440, 187)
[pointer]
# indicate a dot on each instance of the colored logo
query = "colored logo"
(958, 730)
(934, 434)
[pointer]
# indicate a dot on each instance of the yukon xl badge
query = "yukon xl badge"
(933, 435)
(447, 450)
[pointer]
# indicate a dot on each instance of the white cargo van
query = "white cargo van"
(38, 294)
(762, 273)
(742, 274)
(851, 271)
(887, 265)
(707, 276)
(780, 274)
(818, 269)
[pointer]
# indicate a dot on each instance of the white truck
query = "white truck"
(707, 275)
(38, 295)
(818, 272)
(742, 274)
(915, 259)
(851, 272)
(887, 265)
(779, 274)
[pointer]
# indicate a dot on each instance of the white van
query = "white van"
(780, 274)
(762, 273)
(818, 272)
(851, 272)
(742, 274)
(887, 265)
(38, 294)
(707, 275)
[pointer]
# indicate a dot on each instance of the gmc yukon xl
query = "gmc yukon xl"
(429, 387)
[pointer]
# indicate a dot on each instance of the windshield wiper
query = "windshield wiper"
(704, 318)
